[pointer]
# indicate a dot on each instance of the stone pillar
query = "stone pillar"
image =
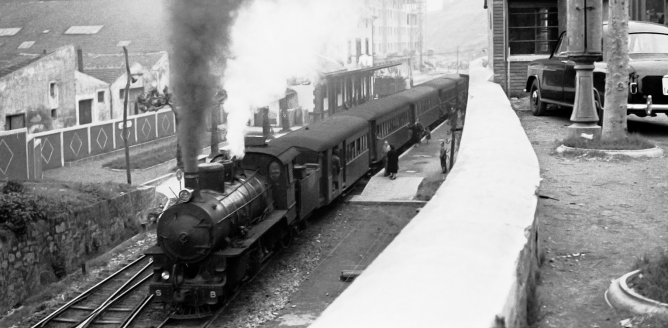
(584, 31)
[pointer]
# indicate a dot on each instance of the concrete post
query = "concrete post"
(584, 31)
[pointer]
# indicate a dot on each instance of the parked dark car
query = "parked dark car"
(552, 80)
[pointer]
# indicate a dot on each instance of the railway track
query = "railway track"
(113, 302)
(155, 321)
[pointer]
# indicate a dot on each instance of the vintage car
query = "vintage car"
(552, 80)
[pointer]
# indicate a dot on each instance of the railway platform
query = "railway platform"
(418, 177)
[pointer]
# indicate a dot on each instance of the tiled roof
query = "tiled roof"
(109, 75)
(109, 68)
(11, 63)
(92, 61)
(144, 23)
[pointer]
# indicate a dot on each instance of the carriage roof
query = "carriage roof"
(322, 135)
(284, 153)
(376, 109)
(440, 83)
(417, 93)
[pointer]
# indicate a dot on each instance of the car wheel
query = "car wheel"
(538, 107)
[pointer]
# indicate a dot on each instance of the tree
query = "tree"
(617, 77)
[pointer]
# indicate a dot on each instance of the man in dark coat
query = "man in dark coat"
(393, 162)
(419, 131)
(444, 158)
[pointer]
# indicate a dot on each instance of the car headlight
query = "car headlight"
(165, 275)
(185, 195)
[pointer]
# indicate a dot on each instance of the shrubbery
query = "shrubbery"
(23, 203)
(19, 208)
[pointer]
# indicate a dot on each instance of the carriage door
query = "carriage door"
(290, 199)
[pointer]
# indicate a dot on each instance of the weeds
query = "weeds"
(631, 141)
(652, 282)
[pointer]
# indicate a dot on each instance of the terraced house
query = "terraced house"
(63, 76)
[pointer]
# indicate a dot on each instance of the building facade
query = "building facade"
(522, 31)
(50, 93)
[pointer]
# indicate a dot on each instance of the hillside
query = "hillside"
(460, 23)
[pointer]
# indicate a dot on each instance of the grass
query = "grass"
(145, 159)
(652, 282)
(631, 141)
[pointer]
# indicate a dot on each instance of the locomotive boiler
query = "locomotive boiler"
(212, 238)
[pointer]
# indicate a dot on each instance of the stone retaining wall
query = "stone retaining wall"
(52, 248)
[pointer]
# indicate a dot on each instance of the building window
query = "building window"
(52, 89)
(358, 48)
(13, 122)
(100, 96)
(121, 94)
(532, 29)
(366, 46)
(54, 113)
(647, 10)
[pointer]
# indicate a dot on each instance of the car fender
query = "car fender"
(530, 80)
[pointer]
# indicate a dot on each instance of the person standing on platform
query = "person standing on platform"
(418, 131)
(444, 158)
(427, 134)
(393, 162)
(386, 149)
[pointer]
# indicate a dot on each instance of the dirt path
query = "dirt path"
(601, 215)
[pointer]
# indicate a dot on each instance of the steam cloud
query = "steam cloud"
(199, 39)
(274, 40)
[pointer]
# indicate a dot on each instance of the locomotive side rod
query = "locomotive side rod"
(81, 296)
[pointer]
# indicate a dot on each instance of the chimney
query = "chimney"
(191, 180)
(80, 66)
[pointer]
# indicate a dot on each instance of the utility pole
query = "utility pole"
(617, 77)
(421, 31)
(221, 96)
(457, 59)
(125, 115)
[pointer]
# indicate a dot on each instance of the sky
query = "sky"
(434, 5)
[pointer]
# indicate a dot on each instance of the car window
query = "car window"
(562, 47)
(648, 43)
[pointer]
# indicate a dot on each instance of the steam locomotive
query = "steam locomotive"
(231, 216)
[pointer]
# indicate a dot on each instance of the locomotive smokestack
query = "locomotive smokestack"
(199, 40)
(191, 180)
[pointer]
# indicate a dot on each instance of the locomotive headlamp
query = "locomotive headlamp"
(185, 195)
(165, 275)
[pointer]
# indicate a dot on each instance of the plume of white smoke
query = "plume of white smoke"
(274, 40)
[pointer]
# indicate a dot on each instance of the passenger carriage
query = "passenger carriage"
(315, 144)
(424, 104)
(388, 120)
(447, 93)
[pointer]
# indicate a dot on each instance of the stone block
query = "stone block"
(11, 258)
